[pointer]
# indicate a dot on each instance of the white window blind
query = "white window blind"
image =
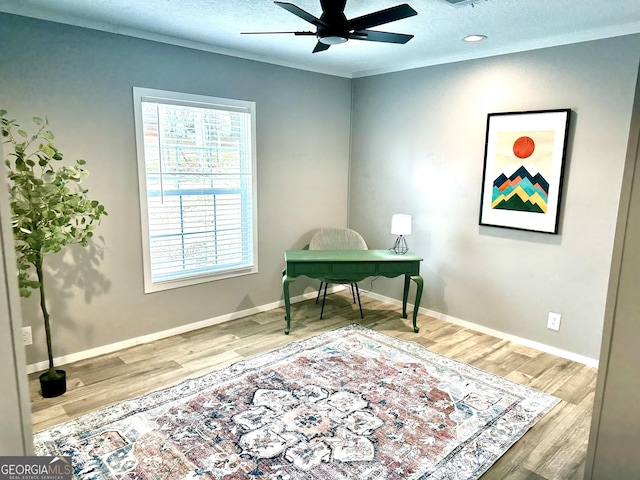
(197, 187)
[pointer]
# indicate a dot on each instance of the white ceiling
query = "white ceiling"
(215, 25)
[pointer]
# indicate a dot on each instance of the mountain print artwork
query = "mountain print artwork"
(523, 170)
(522, 186)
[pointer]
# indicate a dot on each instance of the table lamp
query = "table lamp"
(400, 225)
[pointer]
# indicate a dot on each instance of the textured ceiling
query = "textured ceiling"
(215, 25)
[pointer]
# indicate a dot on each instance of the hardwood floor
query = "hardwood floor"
(554, 448)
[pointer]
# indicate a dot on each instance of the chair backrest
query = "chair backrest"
(333, 238)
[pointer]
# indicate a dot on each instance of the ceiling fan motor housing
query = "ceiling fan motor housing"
(338, 32)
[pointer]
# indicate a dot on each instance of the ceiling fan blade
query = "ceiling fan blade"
(321, 47)
(381, 17)
(271, 33)
(374, 36)
(297, 11)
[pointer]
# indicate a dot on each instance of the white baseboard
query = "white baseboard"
(591, 362)
(113, 347)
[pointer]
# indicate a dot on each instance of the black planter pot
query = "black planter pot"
(55, 387)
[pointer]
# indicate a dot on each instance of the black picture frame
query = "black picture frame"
(523, 171)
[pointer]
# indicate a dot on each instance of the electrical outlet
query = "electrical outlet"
(553, 321)
(26, 336)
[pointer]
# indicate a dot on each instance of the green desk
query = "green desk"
(352, 266)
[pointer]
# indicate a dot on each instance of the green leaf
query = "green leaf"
(81, 162)
(37, 120)
(23, 134)
(47, 150)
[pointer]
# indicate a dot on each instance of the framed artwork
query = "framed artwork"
(523, 166)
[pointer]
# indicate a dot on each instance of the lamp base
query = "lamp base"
(400, 247)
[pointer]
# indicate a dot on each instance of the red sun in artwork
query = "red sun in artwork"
(523, 147)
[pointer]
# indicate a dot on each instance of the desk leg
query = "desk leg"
(405, 295)
(287, 302)
(416, 305)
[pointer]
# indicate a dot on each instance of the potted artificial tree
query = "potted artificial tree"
(50, 210)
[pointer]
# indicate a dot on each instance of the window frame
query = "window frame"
(186, 99)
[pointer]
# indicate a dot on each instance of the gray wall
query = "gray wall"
(418, 148)
(613, 445)
(82, 81)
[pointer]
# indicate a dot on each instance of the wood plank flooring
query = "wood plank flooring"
(554, 449)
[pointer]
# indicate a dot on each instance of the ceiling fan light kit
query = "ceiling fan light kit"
(332, 40)
(333, 27)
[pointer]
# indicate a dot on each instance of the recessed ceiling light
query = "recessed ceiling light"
(474, 38)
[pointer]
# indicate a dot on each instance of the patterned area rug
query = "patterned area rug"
(351, 403)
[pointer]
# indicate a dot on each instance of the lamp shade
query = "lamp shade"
(401, 224)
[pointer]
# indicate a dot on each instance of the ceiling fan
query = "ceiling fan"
(333, 27)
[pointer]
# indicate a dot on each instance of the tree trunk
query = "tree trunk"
(47, 328)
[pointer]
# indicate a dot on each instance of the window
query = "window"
(196, 169)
